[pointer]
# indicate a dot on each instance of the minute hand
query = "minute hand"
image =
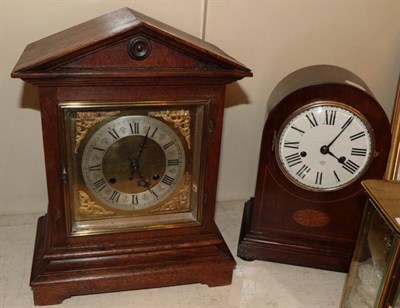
(345, 125)
(142, 145)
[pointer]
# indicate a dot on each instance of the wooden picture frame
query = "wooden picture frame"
(393, 167)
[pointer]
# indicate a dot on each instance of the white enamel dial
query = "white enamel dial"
(325, 146)
(133, 162)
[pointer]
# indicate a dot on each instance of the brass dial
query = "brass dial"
(133, 162)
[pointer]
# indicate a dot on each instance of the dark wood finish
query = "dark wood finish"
(201, 258)
(91, 62)
(268, 230)
(91, 43)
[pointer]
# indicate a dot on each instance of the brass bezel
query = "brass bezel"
(148, 220)
(313, 105)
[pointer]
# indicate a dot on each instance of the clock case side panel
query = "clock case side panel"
(54, 218)
(74, 262)
(268, 230)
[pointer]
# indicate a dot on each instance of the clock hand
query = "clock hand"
(153, 192)
(340, 160)
(345, 125)
(143, 181)
(142, 145)
(133, 166)
(325, 150)
(146, 183)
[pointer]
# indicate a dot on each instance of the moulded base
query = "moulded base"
(55, 280)
(263, 247)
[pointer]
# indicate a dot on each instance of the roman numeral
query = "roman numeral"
(318, 178)
(350, 166)
(135, 200)
(298, 129)
(95, 168)
(166, 146)
(310, 117)
(291, 145)
(115, 196)
(336, 176)
(330, 117)
(356, 136)
(113, 133)
(293, 159)
(347, 123)
(100, 184)
(358, 152)
(303, 171)
(155, 130)
(134, 128)
(168, 180)
(173, 162)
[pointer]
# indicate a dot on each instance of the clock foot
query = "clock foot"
(247, 259)
(49, 296)
(247, 212)
(198, 258)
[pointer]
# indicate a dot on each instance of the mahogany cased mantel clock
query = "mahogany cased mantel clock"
(324, 134)
(132, 118)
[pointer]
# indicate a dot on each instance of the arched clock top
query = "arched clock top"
(324, 134)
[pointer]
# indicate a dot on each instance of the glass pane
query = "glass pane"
(370, 262)
(132, 166)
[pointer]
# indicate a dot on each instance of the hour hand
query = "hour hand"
(340, 159)
(146, 183)
(325, 150)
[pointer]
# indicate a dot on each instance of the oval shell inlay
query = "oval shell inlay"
(311, 218)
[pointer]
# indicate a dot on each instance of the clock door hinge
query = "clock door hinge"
(64, 175)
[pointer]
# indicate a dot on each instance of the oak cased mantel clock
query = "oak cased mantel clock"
(325, 133)
(132, 118)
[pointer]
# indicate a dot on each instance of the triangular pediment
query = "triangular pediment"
(116, 56)
(108, 45)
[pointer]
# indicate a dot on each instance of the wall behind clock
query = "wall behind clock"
(273, 38)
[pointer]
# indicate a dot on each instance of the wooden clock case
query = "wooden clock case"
(269, 229)
(91, 63)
